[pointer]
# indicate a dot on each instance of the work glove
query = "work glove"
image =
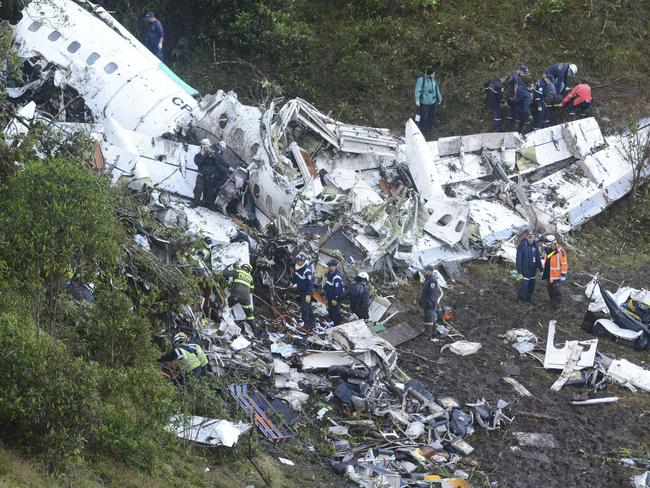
(308, 299)
(539, 109)
(160, 45)
(563, 278)
(417, 106)
(334, 302)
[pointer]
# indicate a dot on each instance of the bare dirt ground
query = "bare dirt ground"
(590, 438)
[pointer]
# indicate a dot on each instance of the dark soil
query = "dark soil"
(591, 438)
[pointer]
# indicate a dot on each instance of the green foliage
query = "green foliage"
(547, 12)
(49, 400)
(419, 5)
(59, 217)
(109, 332)
(137, 405)
(68, 408)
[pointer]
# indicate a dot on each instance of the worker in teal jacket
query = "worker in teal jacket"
(427, 98)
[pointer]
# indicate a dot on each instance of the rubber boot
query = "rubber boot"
(428, 329)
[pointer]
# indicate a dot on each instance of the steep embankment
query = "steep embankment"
(360, 58)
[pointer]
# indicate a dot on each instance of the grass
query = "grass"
(361, 63)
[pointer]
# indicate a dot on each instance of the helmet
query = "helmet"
(524, 69)
(364, 276)
(332, 262)
(573, 68)
(429, 267)
(300, 257)
(205, 143)
(247, 267)
(549, 239)
(180, 337)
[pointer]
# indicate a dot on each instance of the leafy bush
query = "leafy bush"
(49, 400)
(59, 216)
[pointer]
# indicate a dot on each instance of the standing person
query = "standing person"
(429, 296)
(543, 94)
(493, 99)
(155, 35)
(334, 291)
(242, 290)
(516, 81)
(578, 99)
(528, 264)
(427, 97)
(213, 171)
(359, 296)
(554, 263)
(523, 104)
(561, 73)
(303, 277)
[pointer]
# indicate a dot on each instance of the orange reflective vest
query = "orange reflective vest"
(559, 265)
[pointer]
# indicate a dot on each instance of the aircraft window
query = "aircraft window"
(92, 58)
(110, 68)
(54, 36)
(35, 26)
(73, 47)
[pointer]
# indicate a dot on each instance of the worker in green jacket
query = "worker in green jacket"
(427, 98)
(242, 290)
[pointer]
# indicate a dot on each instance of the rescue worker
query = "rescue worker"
(334, 291)
(427, 97)
(303, 277)
(578, 99)
(213, 171)
(359, 296)
(543, 94)
(561, 73)
(493, 100)
(429, 296)
(184, 355)
(516, 81)
(155, 35)
(198, 351)
(242, 290)
(522, 107)
(528, 263)
(555, 269)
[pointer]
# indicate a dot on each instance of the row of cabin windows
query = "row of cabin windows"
(73, 47)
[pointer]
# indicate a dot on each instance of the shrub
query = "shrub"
(49, 402)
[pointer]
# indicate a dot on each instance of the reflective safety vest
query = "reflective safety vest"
(559, 265)
(244, 278)
(187, 360)
(200, 353)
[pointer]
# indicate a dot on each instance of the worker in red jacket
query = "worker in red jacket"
(579, 98)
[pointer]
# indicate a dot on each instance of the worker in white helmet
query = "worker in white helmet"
(213, 171)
